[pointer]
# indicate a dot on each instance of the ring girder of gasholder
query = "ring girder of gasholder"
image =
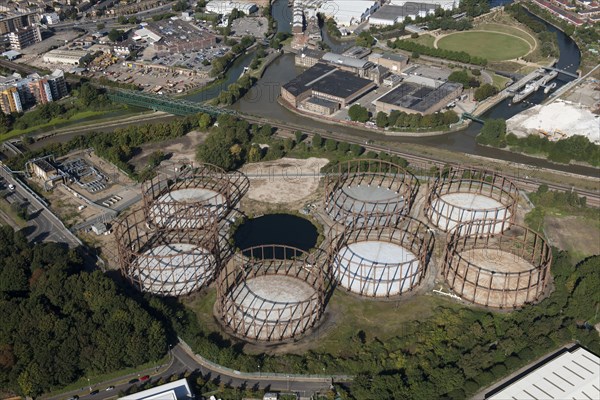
(380, 261)
(467, 194)
(167, 262)
(368, 192)
(261, 298)
(192, 197)
(504, 270)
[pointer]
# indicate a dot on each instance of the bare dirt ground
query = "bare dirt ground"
(574, 233)
(183, 148)
(287, 180)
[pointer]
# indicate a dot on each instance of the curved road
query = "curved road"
(183, 360)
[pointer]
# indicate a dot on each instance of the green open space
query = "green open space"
(493, 46)
(511, 30)
(425, 40)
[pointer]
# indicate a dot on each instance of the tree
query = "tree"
(317, 141)
(330, 145)
(365, 39)
(358, 113)
(493, 133)
(299, 136)
(382, 119)
(484, 91)
(204, 121)
(115, 35)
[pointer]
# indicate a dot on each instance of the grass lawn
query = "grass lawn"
(345, 316)
(492, 46)
(499, 81)
(426, 40)
(507, 29)
(381, 319)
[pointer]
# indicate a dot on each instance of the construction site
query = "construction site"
(387, 235)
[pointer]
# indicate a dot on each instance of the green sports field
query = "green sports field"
(493, 46)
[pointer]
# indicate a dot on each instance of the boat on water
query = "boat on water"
(548, 88)
(528, 90)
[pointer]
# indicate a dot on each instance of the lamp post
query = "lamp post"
(259, 370)
(89, 384)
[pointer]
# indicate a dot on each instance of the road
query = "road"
(182, 360)
(43, 226)
(91, 25)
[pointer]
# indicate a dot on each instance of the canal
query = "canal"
(261, 101)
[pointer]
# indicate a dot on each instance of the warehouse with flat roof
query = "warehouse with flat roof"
(325, 82)
(413, 97)
(570, 373)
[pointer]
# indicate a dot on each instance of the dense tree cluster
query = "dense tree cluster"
(567, 202)
(449, 23)
(358, 113)
(236, 90)
(549, 47)
(220, 64)
(484, 91)
(403, 120)
(474, 8)
(574, 148)
(365, 39)
(459, 56)
(493, 133)
(463, 77)
(118, 146)
(88, 99)
(451, 354)
(60, 323)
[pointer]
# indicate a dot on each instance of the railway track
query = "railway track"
(525, 183)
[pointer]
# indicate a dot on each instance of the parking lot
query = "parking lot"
(254, 26)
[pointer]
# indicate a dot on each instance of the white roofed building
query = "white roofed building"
(394, 14)
(225, 7)
(348, 12)
(445, 4)
(569, 374)
(178, 390)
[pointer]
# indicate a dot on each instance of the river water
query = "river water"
(261, 101)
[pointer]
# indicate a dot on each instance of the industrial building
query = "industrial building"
(445, 4)
(178, 390)
(412, 97)
(347, 63)
(348, 12)
(23, 37)
(394, 62)
(570, 373)
(63, 56)
(328, 83)
(173, 37)
(308, 57)
(394, 14)
(225, 7)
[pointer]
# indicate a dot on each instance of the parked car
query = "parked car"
(144, 378)
(134, 380)
(110, 388)
(94, 392)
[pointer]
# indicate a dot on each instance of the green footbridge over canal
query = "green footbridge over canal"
(163, 103)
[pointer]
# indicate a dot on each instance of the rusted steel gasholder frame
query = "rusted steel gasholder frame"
(171, 270)
(345, 209)
(477, 284)
(445, 215)
(272, 321)
(162, 210)
(358, 275)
